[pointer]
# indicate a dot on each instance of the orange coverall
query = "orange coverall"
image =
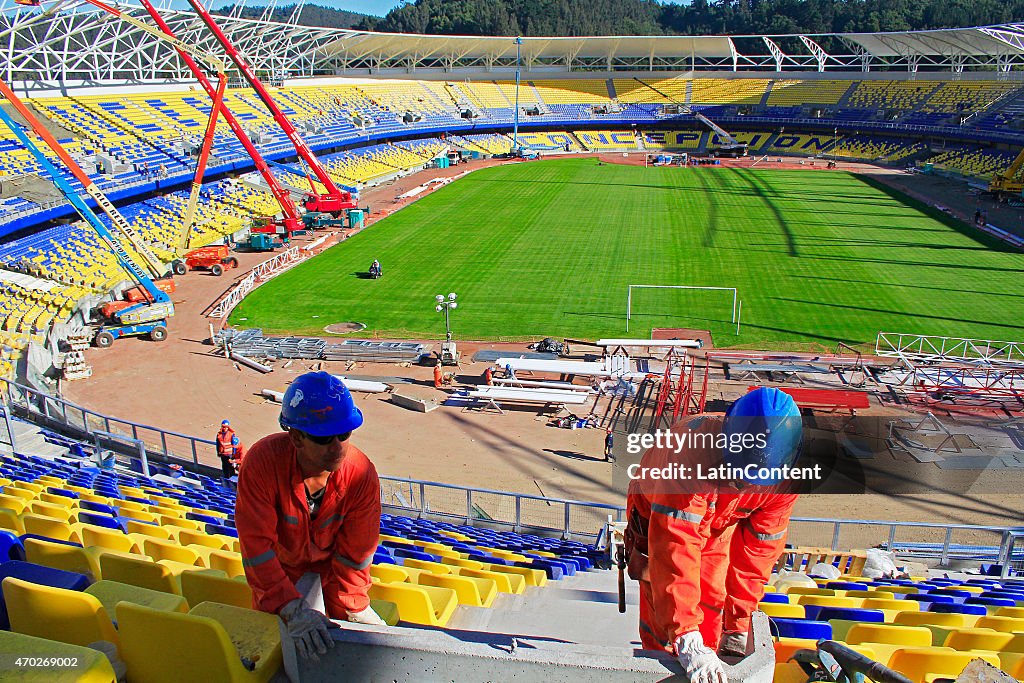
(711, 548)
(280, 542)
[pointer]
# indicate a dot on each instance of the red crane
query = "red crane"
(334, 200)
(291, 221)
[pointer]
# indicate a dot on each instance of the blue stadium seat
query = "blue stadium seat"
(802, 628)
(851, 614)
(101, 508)
(35, 573)
(11, 547)
(775, 597)
(957, 609)
(99, 519)
(990, 602)
(222, 529)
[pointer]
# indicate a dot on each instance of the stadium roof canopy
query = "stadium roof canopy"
(68, 40)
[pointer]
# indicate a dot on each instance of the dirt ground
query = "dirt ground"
(181, 385)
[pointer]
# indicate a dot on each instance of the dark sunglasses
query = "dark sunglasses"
(324, 440)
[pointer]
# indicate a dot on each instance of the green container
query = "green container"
(355, 218)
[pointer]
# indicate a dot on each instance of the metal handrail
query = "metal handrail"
(19, 396)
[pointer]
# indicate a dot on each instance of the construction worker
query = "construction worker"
(226, 449)
(309, 501)
(703, 549)
(438, 375)
(488, 376)
(239, 453)
(609, 444)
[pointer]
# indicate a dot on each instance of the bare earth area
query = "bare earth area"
(181, 385)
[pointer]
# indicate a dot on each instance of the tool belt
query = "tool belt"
(636, 550)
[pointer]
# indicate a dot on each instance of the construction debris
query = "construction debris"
(252, 344)
(251, 363)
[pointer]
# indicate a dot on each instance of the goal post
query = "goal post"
(629, 296)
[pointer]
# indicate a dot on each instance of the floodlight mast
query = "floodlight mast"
(334, 200)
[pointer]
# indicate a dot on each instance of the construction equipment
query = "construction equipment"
(155, 266)
(836, 663)
(290, 220)
(257, 241)
(332, 200)
(731, 147)
(215, 258)
(146, 316)
(1009, 182)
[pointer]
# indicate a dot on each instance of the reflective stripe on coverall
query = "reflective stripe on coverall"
(224, 447)
(710, 553)
(280, 542)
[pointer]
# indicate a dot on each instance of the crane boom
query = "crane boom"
(155, 265)
(284, 200)
(1008, 181)
(722, 133)
(137, 274)
(204, 155)
(335, 199)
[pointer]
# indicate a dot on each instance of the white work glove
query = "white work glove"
(366, 616)
(309, 628)
(699, 661)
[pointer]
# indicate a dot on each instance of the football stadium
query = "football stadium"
(334, 354)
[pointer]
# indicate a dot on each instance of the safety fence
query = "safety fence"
(520, 512)
(63, 415)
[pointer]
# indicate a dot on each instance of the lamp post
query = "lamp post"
(449, 354)
(515, 120)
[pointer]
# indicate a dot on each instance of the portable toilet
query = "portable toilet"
(355, 218)
(442, 162)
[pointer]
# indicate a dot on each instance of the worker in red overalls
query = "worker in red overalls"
(438, 375)
(702, 549)
(309, 502)
(227, 445)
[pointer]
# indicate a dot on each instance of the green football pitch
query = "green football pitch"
(549, 248)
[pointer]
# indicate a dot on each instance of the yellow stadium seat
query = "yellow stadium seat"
(206, 586)
(506, 583)
(388, 611)
(887, 638)
(54, 499)
(978, 639)
(68, 616)
(389, 573)
(1012, 612)
(999, 623)
(20, 492)
(109, 593)
(426, 605)
(215, 637)
(140, 516)
(829, 601)
(92, 665)
(139, 571)
(433, 567)
(41, 525)
(950, 619)
(168, 550)
(67, 557)
(108, 538)
(33, 487)
(873, 594)
(782, 610)
(807, 590)
(11, 521)
(228, 562)
(923, 665)
(534, 577)
(50, 480)
(459, 562)
(13, 503)
(41, 507)
(217, 542)
(190, 524)
(148, 530)
(468, 590)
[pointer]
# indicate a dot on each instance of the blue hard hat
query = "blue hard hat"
(770, 418)
(224, 423)
(235, 441)
(319, 404)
